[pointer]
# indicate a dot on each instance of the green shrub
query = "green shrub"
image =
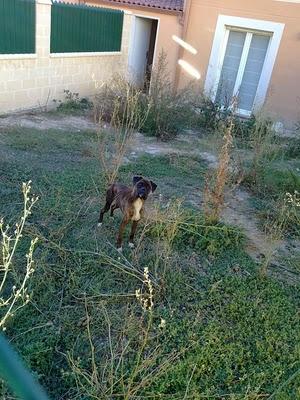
(292, 149)
(170, 111)
(208, 115)
(73, 102)
(212, 116)
(273, 181)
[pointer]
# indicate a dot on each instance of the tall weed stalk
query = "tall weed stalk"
(216, 182)
(14, 284)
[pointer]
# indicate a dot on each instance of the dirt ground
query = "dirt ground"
(238, 210)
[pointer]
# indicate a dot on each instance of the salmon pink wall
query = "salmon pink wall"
(283, 97)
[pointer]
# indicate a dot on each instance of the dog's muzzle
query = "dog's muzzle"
(142, 195)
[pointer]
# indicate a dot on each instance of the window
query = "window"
(241, 61)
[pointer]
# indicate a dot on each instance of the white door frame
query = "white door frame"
(224, 23)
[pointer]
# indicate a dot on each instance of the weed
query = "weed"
(262, 139)
(215, 186)
(288, 215)
(213, 116)
(209, 114)
(170, 111)
(292, 149)
(73, 103)
(152, 108)
(13, 285)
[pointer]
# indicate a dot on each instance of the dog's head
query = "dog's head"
(143, 187)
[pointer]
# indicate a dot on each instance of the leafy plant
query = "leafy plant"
(73, 102)
(292, 149)
(163, 111)
(209, 114)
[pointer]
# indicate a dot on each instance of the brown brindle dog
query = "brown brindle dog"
(130, 201)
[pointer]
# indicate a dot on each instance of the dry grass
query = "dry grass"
(216, 182)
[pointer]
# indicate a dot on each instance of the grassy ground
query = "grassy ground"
(217, 330)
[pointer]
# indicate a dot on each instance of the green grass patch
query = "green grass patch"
(227, 333)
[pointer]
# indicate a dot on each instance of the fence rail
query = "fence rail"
(17, 26)
(80, 28)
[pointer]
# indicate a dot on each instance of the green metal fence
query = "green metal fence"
(79, 28)
(16, 376)
(17, 26)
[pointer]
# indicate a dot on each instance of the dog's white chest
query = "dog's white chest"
(137, 206)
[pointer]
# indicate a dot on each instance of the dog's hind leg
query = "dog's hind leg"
(112, 209)
(132, 233)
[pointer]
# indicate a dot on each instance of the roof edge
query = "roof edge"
(140, 6)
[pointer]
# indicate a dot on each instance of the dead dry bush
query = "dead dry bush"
(228, 174)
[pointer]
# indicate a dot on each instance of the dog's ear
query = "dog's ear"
(153, 186)
(136, 179)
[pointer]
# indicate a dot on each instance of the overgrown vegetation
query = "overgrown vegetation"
(162, 111)
(271, 176)
(170, 111)
(270, 169)
(186, 315)
(73, 103)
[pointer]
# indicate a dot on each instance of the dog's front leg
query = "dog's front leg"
(120, 234)
(132, 233)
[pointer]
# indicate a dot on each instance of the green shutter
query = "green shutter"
(17, 26)
(79, 28)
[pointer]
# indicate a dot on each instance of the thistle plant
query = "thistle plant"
(13, 286)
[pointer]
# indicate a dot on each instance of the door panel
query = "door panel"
(230, 67)
(254, 65)
(139, 48)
